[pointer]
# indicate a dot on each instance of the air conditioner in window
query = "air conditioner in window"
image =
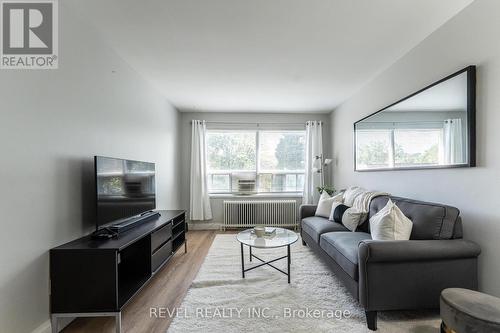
(245, 183)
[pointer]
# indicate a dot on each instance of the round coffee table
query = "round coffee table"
(282, 238)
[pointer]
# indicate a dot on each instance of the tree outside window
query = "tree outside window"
(275, 157)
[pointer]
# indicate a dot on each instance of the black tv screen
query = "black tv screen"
(124, 188)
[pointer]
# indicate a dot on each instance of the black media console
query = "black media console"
(93, 277)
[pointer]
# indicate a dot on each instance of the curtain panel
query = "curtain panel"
(314, 149)
(199, 200)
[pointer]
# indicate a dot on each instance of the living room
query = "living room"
(291, 166)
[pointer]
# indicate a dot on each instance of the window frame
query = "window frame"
(258, 172)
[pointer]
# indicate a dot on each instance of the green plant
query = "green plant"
(327, 188)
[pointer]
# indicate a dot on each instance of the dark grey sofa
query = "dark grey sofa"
(396, 275)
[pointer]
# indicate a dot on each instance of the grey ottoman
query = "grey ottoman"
(468, 311)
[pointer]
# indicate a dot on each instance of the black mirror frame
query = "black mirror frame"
(471, 123)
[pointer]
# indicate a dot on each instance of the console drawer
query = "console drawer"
(160, 236)
(162, 254)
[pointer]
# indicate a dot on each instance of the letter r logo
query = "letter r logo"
(27, 27)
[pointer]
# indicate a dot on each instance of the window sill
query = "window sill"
(258, 195)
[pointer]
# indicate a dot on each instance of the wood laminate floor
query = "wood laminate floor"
(167, 289)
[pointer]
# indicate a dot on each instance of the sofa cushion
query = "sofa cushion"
(430, 220)
(314, 226)
(343, 248)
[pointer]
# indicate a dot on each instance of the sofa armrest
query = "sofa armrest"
(411, 274)
(416, 250)
(306, 211)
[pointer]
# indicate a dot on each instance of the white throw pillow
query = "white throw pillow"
(390, 224)
(351, 194)
(325, 204)
(352, 218)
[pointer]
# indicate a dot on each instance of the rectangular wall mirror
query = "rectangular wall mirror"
(432, 128)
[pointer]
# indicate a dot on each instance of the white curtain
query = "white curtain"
(453, 142)
(314, 148)
(199, 201)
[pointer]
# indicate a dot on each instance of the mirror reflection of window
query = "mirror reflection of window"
(417, 147)
(373, 148)
(429, 129)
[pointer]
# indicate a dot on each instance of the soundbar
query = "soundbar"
(132, 222)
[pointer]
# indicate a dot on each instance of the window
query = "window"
(255, 161)
(281, 161)
(402, 147)
(231, 151)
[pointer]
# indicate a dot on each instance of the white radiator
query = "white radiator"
(248, 213)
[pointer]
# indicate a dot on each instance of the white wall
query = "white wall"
(51, 124)
(471, 37)
(277, 118)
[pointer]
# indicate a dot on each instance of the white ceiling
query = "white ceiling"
(263, 55)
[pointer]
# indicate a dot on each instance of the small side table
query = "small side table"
(464, 310)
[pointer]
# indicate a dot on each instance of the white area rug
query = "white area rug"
(219, 300)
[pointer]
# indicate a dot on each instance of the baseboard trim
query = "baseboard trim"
(46, 327)
(43, 328)
(204, 226)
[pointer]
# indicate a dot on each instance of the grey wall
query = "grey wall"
(185, 129)
(51, 124)
(471, 37)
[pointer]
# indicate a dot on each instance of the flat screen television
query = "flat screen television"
(124, 189)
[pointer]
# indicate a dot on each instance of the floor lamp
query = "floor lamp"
(323, 164)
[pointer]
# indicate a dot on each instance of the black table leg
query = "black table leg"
(242, 262)
(288, 258)
(289, 261)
